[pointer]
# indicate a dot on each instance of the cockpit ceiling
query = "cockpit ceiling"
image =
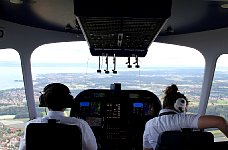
(113, 33)
(187, 16)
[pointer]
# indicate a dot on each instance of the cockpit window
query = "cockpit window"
(13, 106)
(72, 64)
(218, 100)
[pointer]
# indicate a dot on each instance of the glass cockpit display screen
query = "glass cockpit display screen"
(140, 108)
(84, 104)
(90, 108)
(138, 105)
(92, 112)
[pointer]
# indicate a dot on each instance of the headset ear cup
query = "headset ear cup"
(180, 105)
(69, 99)
(42, 101)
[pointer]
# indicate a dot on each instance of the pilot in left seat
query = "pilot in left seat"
(56, 97)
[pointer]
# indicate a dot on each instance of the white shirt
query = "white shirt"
(88, 138)
(169, 122)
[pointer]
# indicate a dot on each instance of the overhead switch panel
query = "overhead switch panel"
(122, 28)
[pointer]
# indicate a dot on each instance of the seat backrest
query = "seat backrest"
(184, 140)
(52, 135)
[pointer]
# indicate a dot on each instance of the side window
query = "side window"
(173, 64)
(13, 106)
(218, 100)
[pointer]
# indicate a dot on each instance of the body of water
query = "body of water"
(8, 76)
(11, 77)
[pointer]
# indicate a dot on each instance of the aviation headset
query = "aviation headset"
(57, 92)
(180, 105)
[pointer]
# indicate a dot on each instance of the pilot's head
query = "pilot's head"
(56, 97)
(174, 99)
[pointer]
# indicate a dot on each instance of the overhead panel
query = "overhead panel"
(122, 28)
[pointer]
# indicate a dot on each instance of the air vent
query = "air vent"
(123, 29)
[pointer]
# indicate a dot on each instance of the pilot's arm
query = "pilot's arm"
(210, 121)
(22, 145)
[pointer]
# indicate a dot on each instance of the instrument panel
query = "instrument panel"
(117, 117)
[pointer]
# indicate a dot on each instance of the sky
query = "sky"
(158, 54)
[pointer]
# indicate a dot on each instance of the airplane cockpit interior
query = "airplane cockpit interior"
(114, 29)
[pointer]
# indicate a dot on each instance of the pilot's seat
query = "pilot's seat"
(53, 136)
(184, 140)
